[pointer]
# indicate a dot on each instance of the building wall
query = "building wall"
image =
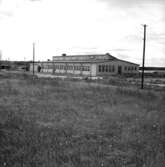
(47, 71)
(72, 68)
(116, 67)
(93, 69)
(86, 68)
(47, 67)
(35, 67)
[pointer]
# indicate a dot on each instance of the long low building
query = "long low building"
(87, 65)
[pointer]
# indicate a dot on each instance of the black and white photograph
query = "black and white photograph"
(82, 83)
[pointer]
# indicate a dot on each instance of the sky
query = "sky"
(83, 27)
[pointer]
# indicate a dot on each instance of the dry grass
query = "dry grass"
(50, 122)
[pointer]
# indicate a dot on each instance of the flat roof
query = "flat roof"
(106, 58)
(91, 58)
(96, 61)
(87, 55)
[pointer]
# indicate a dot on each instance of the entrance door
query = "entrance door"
(39, 68)
(119, 70)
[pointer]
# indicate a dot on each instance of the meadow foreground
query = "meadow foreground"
(56, 123)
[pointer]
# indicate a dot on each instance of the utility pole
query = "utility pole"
(33, 57)
(144, 48)
(0, 59)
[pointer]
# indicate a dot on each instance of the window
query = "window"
(109, 68)
(86, 68)
(99, 68)
(103, 68)
(135, 68)
(106, 68)
(113, 68)
(49, 66)
(125, 68)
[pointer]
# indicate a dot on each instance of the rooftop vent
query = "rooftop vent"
(64, 54)
(107, 54)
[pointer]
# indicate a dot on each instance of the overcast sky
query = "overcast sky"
(83, 27)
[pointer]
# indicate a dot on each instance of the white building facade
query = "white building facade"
(89, 65)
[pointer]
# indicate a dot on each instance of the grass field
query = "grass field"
(56, 123)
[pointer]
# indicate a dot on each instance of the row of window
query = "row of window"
(106, 68)
(111, 68)
(102, 68)
(69, 67)
(130, 68)
(50, 66)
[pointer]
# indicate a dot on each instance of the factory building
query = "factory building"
(88, 65)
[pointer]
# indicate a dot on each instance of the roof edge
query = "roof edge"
(127, 62)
